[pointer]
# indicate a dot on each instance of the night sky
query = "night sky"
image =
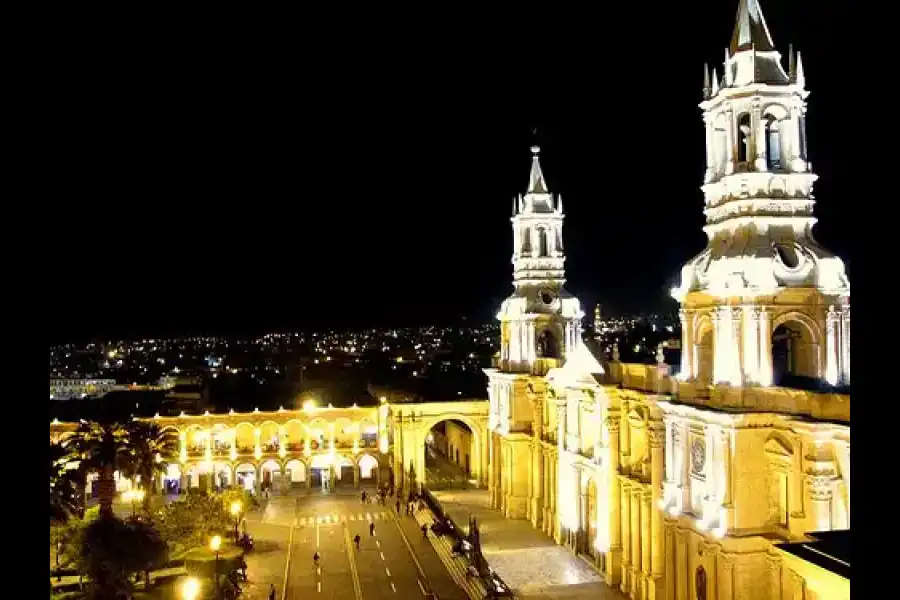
(365, 177)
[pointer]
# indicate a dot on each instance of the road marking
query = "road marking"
(368, 516)
(357, 589)
(393, 588)
(319, 571)
(382, 555)
(411, 553)
(388, 571)
(352, 518)
(319, 586)
(421, 587)
(360, 517)
(377, 544)
(287, 563)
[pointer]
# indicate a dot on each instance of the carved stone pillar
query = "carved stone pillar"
(687, 365)
(646, 543)
(614, 559)
(561, 424)
(820, 496)
(773, 562)
(726, 577)
(670, 561)
(681, 564)
(798, 586)
(832, 351)
(845, 345)
(635, 588)
(729, 139)
(751, 343)
(625, 502)
(655, 537)
(765, 349)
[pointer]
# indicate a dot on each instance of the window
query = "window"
(744, 136)
(542, 242)
(773, 144)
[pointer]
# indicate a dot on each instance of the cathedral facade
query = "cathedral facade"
(695, 485)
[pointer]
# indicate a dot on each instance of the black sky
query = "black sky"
(346, 175)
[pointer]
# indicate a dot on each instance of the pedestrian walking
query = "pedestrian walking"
(371, 528)
(398, 506)
(356, 540)
(364, 497)
(425, 531)
(316, 558)
(271, 591)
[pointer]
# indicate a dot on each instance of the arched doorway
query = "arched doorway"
(704, 353)
(295, 473)
(320, 470)
(245, 474)
(368, 468)
(794, 355)
(271, 475)
(451, 455)
(547, 345)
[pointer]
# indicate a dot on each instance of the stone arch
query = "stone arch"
(318, 433)
(245, 437)
(704, 349)
(270, 473)
(478, 437)
(195, 437)
(295, 472)
(368, 466)
(590, 513)
(345, 431)
(246, 475)
(548, 343)
(744, 136)
(775, 110)
(295, 435)
(779, 456)
(796, 348)
(368, 433)
(269, 436)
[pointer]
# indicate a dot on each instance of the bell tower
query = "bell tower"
(764, 303)
(540, 322)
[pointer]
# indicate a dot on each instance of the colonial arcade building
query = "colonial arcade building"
(275, 451)
(692, 486)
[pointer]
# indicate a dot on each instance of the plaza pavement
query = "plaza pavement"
(394, 563)
(532, 564)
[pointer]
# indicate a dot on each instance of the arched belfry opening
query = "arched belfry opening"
(794, 360)
(450, 456)
(744, 137)
(543, 249)
(773, 143)
(704, 353)
(547, 346)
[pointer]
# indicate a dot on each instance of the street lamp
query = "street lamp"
(215, 543)
(190, 589)
(133, 496)
(236, 513)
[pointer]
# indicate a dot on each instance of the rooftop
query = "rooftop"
(829, 550)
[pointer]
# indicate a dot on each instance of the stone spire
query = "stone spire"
(750, 30)
(536, 183)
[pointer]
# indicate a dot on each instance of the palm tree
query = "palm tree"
(151, 451)
(103, 447)
(66, 485)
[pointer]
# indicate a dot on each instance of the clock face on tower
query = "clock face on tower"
(698, 456)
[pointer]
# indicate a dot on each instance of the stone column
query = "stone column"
(832, 351)
(773, 561)
(182, 447)
(625, 583)
(758, 139)
(561, 424)
(655, 537)
(646, 544)
(798, 586)
(681, 565)
(635, 539)
(845, 345)
(614, 558)
(687, 366)
(729, 140)
(765, 349)
(625, 438)
(257, 447)
(669, 578)
(537, 461)
(751, 343)
(719, 345)
(356, 476)
(725, 584)
(820, 495)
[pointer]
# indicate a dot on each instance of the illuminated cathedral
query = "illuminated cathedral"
(725, 479)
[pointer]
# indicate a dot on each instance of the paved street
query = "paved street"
(394, 562)
(531, 563)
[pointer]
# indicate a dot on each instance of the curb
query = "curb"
(455, 565)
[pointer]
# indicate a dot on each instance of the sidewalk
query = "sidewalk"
(456, 565)
(531, 563)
